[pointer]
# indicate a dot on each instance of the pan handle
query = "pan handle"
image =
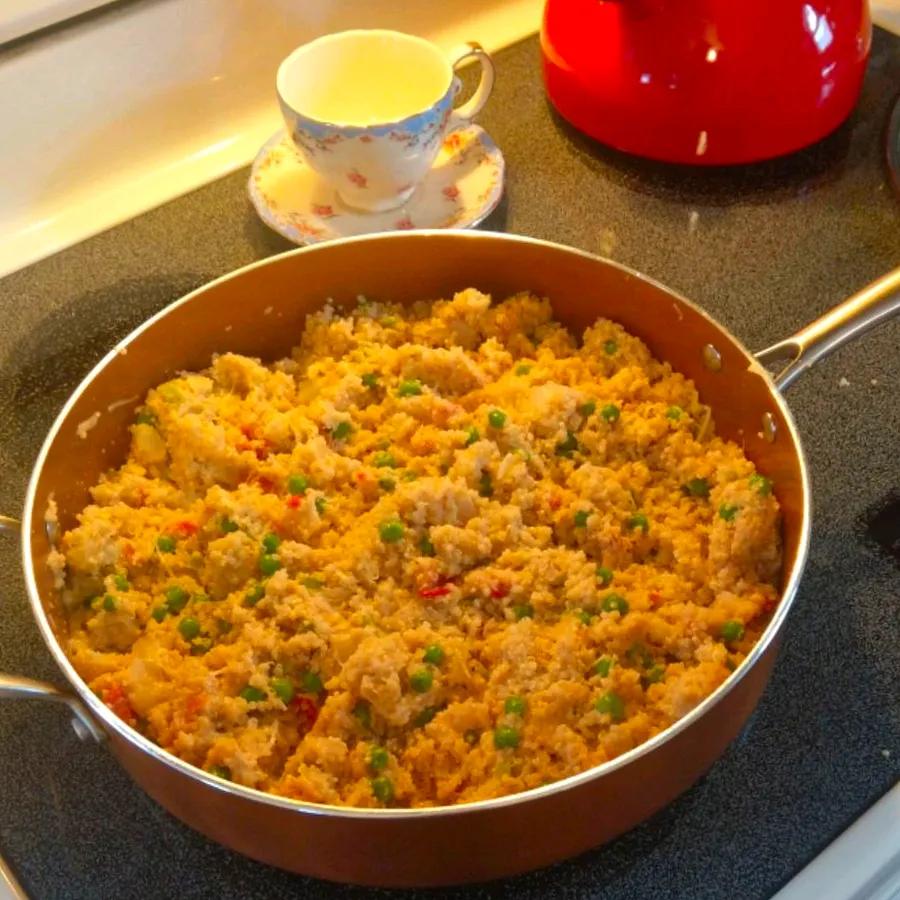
(16, 686)
(848, 320)
(83, 723)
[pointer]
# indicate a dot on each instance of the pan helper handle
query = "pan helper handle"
(16, 686)
(27, 688)
(847, 321)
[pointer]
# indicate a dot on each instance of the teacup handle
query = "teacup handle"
(473, 105)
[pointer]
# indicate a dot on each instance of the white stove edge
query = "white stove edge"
(863, 863)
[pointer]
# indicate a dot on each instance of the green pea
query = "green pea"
(496, 418)
(409, 475)
(638, 520)
(159, 613)
(311, 682)
(421, 681)
(581, 518)
(165, 544)
(506, 738)
(425, 716)
(252, 694)
(761, 484)
(388, 321)
(362, 712)
(604, 576)
(220, 772)
(383, 789)
(254, 595)
(615, 603)
(674, 413)
(655, 675)
(313, 584)
(471, 737)
(369, 380)
(387, 484)
(297, 485)
(269, 564)
(603, 666)
(283, 688)
(223, 626)
(426, 548)
(585, 616)
(515, 706)
(146, 417)
(110, 603)
(610, 347)
(321, 503)
(568, 447)
(696, 487)
(732, 630)
(226, 525)
(485, 486)
(610, 412)
(121, 583)
(523, 369)
(342, 431)
(434, 654)
(728, 511)
(587, 409)
(176, 598)
(384, 460)
(523, 611)
(271, 542)
(378, 759)
(473, 435)
(391, 531)
(611, 704)
(189, 628)
(410, 388)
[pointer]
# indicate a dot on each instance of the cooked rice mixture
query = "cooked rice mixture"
(439, 554)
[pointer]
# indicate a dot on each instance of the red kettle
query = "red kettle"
(705, 81)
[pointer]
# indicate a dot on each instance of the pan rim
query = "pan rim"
(111, 722)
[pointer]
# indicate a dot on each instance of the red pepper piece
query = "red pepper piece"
(499, 591)
(307, 711)
(185, 528)
(293, 501)
(439, 590)
(114, 697)
(655, 598)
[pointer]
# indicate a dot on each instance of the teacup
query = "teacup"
(368, 109)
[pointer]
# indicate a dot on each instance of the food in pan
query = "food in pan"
(440, 554)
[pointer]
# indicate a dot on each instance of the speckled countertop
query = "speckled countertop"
(765, 249)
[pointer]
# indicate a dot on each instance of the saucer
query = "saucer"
(462, 187)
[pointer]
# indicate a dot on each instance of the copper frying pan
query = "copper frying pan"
(259, 310)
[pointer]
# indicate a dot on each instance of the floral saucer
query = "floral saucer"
(462, 187)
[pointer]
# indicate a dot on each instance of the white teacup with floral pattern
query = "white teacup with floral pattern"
(368, 109)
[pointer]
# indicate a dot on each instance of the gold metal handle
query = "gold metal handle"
(27, 688)
(847, 321)
(8, 523)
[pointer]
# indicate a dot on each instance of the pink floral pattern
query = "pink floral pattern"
(323, 210)
(358, 179)
(404, 224)
(451, 192)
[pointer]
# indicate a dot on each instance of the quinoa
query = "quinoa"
(441, 553)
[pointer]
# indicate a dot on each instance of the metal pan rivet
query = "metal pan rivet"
(712, 359)
(769, 428)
